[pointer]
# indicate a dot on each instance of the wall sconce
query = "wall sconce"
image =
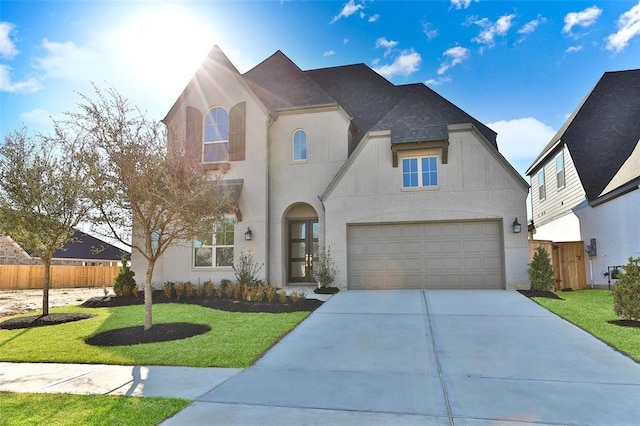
(248, 236)
(516, 226)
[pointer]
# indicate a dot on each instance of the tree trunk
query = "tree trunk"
(148, 293)
(45, 288)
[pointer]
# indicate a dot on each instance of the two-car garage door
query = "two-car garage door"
(425, 255)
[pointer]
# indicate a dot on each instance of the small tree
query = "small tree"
(247, 270)
(124, 282)
(626, 292)
(145, 192)
(325, 268)
(540, 271)
(42, 196)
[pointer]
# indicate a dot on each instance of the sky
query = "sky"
(521, 67)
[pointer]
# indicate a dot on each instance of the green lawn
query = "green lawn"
(591, 310)
(62, 409)
(235, 340)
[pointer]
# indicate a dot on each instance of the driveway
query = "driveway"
(429, 357)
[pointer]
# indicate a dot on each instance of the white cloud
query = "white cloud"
(404, 64)
(37, 115)
(462, 4)
(521, 140)
(387, 44)
(434, 82)
(583, 19)
(329, 53)
(348, 9)
(429, 31)
(66, 61)
(492, 29)
(628, 28)
(7, 46)
(29, 85)
(374, 18)
(531, 26)
(573, 49)
(454, 56)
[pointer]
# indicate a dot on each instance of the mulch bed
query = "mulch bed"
(539, 293)
(39, 320)
(157, 333)
(625, 323)
(326, 290)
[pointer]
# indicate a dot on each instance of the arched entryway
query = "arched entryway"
(302, 232)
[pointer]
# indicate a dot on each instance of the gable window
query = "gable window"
(419, 171)
(299, 145)
(215, 249)
(215, 136)
(560, 171)
(542, 193)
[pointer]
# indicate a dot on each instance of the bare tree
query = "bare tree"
(42, 196)
(146, 194)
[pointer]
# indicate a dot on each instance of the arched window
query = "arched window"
(299, 145)
(215, 136)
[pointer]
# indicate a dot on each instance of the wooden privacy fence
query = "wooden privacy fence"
(567, 260)
(17, 277)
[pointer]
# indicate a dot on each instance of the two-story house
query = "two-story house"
(406, 189)
(584, 182)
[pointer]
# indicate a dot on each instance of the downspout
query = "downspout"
(267, 225)
(324, 226)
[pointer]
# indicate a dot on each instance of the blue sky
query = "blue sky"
(519, 66)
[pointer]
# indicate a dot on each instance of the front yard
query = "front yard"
(592, 310)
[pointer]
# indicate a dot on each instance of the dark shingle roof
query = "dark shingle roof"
(412, 112)
(85, 247)
(279, 83)
(603, 131)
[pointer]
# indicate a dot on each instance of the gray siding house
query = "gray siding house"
(406, 189)
(584, 183)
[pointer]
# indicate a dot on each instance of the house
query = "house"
(81, 250)
(584, 183)
(406, 189)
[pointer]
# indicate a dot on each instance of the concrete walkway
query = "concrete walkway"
(391, 357)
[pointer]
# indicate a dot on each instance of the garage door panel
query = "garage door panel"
(425, 255)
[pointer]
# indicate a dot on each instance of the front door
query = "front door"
(303, 249)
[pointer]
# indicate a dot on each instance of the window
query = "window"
(560, 171)
(542, 193)
(299, 145)
(215, 249)
(421, 171)
(215, 136)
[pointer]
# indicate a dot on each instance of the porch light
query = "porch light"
(516, 227)
(248, 236)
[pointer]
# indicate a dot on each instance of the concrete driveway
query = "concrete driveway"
(429, 357)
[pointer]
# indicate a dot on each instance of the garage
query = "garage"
(429, 255)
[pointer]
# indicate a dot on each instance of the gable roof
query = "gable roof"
(413, 112)
(83, 246)
(602, 133)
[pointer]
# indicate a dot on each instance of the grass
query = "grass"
(235, 340)
(591, 310)
(62, 409)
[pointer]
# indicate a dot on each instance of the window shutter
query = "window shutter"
(193, 135)
(237, 123)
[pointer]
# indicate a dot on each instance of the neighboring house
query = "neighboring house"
(584, 183)
(406, 189)
(82, 249)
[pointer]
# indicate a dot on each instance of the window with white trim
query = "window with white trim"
(299, 145)
(215, 136)
(560, 170)
(420, 172)
(542, 192)
(215, 249)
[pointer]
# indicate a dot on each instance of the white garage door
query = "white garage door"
(425, 255)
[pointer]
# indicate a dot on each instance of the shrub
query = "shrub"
(179, 289)
(168, 289)
(188, 289)
(200, 290)
(271, 293)
(247, 270)
(209, 288)
(124, 282)
(626, 292)
(294, 296)
(260, 293)
(325, 268)
(282, 296)
(540, 271)
(237, 291)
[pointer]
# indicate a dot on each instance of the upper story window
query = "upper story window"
(419, 171)
(542, 192)
(560, 170)
(299, 145)
(215, 249)
(215, 136)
